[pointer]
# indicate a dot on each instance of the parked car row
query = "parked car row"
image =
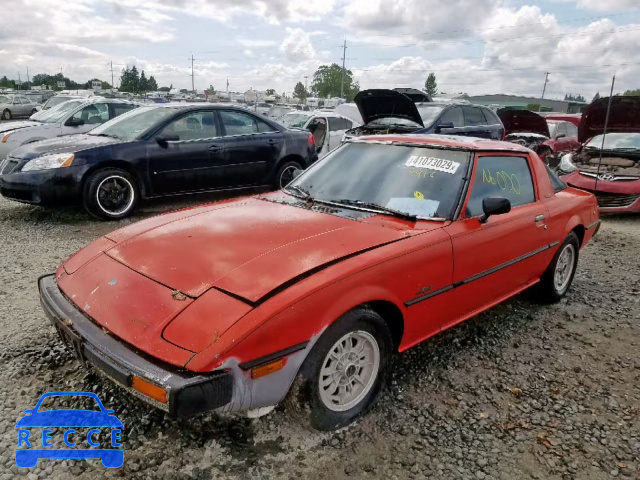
(14, 106)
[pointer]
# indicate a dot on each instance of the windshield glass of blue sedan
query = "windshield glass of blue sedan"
(133, 124)
(424, 182)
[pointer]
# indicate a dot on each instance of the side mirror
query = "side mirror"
(441, 126)
(560, 135)
(494, 206)
(74, 122)
(296, 173)
(163, 140)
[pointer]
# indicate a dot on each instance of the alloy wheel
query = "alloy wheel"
(115, 195)
(564, 268)
(349, 371)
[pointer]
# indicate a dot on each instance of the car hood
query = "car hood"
(381, 103)
(248, 247)
(65, 144)
(521, 121)
(9, 126)
(624, 117)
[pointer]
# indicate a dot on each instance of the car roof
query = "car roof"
(444, 141)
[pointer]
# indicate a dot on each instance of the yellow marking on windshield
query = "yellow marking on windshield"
(418, 195)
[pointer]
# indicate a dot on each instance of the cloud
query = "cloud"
(255, 43)
(297, 46)
(607, 5)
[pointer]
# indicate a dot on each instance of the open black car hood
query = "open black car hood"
(381, 103)
(523, 121)
(624, 117)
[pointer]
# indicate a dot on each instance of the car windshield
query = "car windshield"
(294, 120)
(616, 141)
(419, 181)
(53, 101)
(133, 124)
(429, 112)
(58, 112)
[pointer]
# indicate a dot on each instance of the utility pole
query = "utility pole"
(546, 79)
(305, 82)
(193, 87)
(28, 79)
(344, 58)
(112, 85)
(228, 89)
(19, 81)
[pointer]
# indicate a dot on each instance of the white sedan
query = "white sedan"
(327, 127)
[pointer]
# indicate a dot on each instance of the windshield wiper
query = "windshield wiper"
(376, 207)
(303, 193)
(102, 135)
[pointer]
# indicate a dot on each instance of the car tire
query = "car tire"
(284, 175)
(360, 375)
(111, 194)
(557, 279)
(6, 115)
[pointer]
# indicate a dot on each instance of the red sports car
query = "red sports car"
(608, 165)
(385, 242)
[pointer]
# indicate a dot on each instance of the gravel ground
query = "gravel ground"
(522, 391)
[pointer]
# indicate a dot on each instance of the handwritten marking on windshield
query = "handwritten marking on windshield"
(418, 172)
(503, 180)
(433, 163)
(418, 195)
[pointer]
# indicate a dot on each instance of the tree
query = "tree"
(632, 93)
(327, 81)
(143, 83)
(431, 85)
(152, 84)
(210, 90)
(300, 92)
(270, 91)
(596, 97)
(164, 89)
(129, 80)
(184, 90)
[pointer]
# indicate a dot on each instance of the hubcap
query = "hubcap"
(564, 268)
(349, 371)
(287, 176)
(115, 195)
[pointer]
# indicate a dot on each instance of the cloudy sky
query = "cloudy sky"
(473, 46)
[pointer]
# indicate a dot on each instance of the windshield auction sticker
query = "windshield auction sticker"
(433, 163)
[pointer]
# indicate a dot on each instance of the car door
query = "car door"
(193, 157)
(252, 148)
(17, 108)
(451, 122)
(27, 106)
(318, 128)
(476, 124)
(495, 259)
(337, 127)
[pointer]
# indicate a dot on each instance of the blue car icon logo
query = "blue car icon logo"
(80, 428)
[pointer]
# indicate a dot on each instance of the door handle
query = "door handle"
(539, 218)
(215, 148)
(271, 142)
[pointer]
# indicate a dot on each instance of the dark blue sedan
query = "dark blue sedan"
(153, 151)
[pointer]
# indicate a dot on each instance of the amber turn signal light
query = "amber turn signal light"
(149, 389)
(267, 368)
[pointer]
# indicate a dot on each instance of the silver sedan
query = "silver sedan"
(59, 121)
(16, 106)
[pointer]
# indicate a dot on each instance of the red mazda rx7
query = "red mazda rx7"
(384, 243)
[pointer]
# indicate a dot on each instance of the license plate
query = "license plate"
(72, 341)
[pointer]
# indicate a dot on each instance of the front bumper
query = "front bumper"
(43, 187)
(187, 393)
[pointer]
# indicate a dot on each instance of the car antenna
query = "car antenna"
(604, 132)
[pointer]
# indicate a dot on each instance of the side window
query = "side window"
(94, 114)
(558, 184)
(336, 124)
(264, 127)
(572, 130)
(193, 126)
(16, 101)
(25, 101)
(473, 116)
(453, 115)
(507, 177)
(120, 108)
(491, 117)
(348, 124)
(236, 123)
(562, 129)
